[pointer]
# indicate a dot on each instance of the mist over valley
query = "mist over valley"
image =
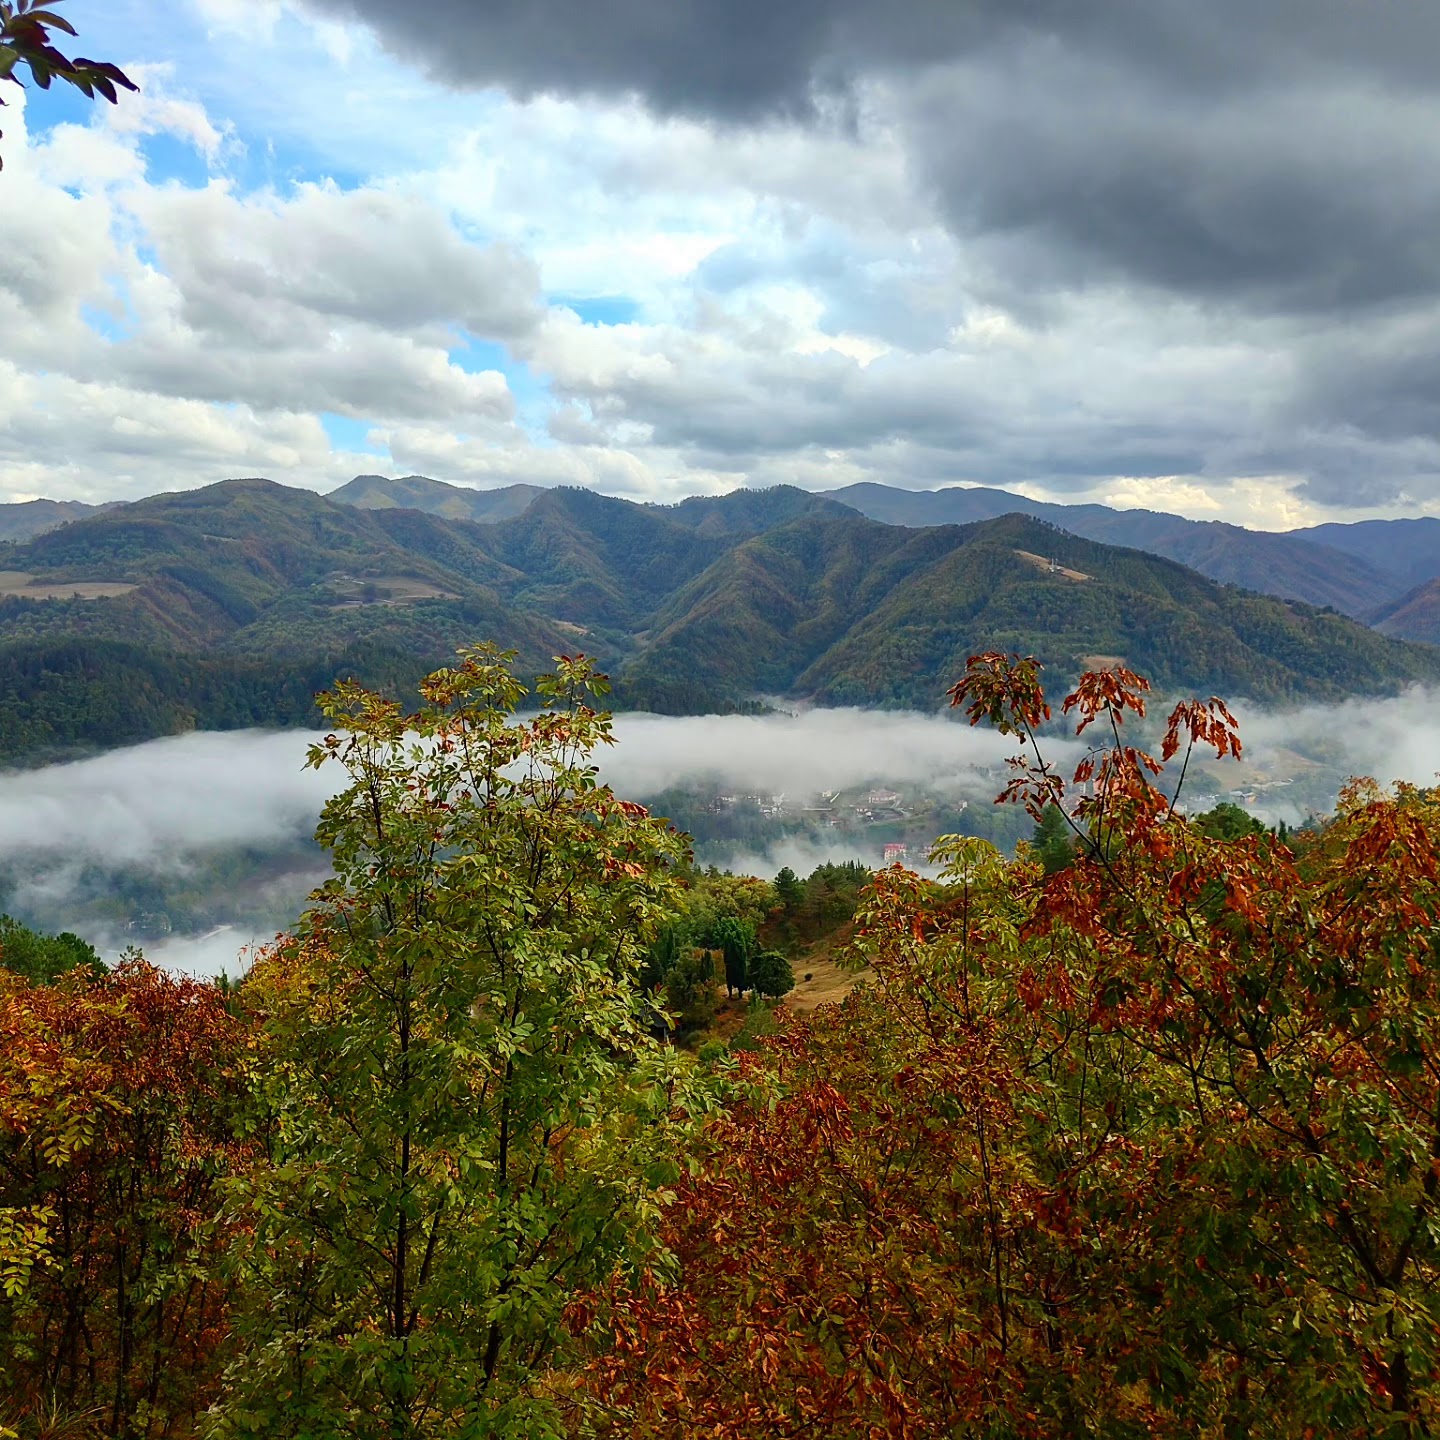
(197, 846)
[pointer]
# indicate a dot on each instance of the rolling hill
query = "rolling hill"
(435, 497)
(853, 612)
(24, 518)
(1298, 565)
(1406, 552)
(1414, 617)
(231, 604)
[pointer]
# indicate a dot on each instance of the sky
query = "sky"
(1142, 252)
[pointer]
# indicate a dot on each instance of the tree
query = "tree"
(770, 974)
(120, 1109)
(691, 995)
(456, 1071)
(39, 958)
(1228, 822)
(25, 39)
(735, 940)
(788, 889)
(1146, 1147)
(1052, 843)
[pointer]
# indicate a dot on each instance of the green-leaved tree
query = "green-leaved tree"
(771, 975)
(735, 940)
(463, 1104)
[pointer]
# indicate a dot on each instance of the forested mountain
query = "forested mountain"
(1353, 577)
(229, 605)
(21, 520)
(435, 497)
(1414, 616)
(851, 611)
(1406, 552)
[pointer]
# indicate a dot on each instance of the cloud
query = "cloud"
(805, 753)
(159, 803)
(1387, 740)
(163, 809)
(1181, 254)
(1286, 154)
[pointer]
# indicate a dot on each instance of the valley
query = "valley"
(232, 604)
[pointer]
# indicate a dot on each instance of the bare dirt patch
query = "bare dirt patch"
(21, 585)
(1042, 562)
(827, 984)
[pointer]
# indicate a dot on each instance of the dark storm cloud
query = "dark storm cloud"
(743, 59)
(1283, 155)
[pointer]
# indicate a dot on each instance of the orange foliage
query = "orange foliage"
(118, 1095)
(1149, 1147)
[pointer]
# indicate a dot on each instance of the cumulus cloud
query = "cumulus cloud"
(1173, 253)
(1150, 187)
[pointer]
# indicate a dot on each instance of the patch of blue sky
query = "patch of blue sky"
(601, 309)
(61, 104)
(301, 105)
(348, 433)
(108, 324)
(533, 399)
(168, 158)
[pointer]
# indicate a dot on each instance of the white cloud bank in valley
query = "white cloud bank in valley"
(162, 806)
(159, 803)
(802, 754)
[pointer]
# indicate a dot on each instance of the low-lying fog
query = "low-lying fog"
(177, 811)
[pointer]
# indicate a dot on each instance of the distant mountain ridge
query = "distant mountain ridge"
(223, 604)
(1357, 568)
(1414, 617)
(1315, 566)
(1361, 569)
(436, 497)
(851, 611)
(24, 518)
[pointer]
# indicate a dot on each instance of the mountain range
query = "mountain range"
(1361, 569)
(229, 605)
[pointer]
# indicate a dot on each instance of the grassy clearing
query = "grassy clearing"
(22, 585)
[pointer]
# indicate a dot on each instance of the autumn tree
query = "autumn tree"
(464, 1105)
(1144, 1147)
(120, 1108)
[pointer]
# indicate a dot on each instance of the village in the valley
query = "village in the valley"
(885, 823)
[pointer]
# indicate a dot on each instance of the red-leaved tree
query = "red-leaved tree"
(1147, 1147)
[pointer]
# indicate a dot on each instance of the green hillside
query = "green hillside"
(419, 492)
(247, 597)
(231, 605)
(1326, 566)
(853, 612)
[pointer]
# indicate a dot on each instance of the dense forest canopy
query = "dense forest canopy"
(1131, 1135)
